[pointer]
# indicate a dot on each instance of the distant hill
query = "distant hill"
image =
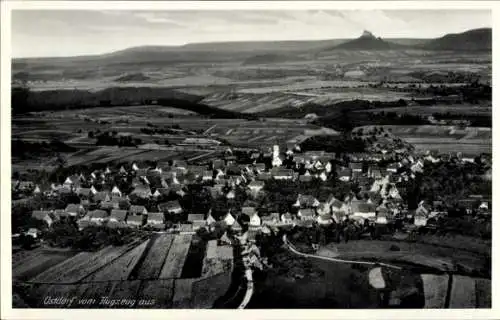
(367, 41)
(268, 58)
(472, 40)
(134, 77)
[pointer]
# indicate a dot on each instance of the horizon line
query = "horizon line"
(229, 41)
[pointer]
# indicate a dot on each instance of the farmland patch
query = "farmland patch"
(155, 258)
(161, 291)
(121, 268)
(81, 265)
(176, 257)
(435, 290)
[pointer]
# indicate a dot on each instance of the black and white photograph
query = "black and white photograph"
(256, 158)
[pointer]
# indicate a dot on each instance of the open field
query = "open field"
(458, 109)
(470, 140)
(72, 129)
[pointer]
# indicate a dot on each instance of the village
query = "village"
(184, 198)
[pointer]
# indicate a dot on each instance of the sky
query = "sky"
(51, 33)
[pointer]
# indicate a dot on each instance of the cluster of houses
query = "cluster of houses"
(379, 199)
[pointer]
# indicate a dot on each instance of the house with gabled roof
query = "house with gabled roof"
(122, 171)
(59, 214)
(210, 219)
(356, 166)
(142, 191)
(108, 205)
(392, 168)
(84, 193)
(207, 175)
(156, 219)
(256, 186)
(43, 215)
(306, 201)
(135, 221)
(118, 215)
(218, 164)
(97, 217)
(264, 176)
(37, 190)
(248, 210)
(138, 210)
(72, 181)
(229, 219)
(170, 207)
(279, 173)
(324, 219)
(421, 214)
(382, 214)
(344, 174)
(323, 209)
(362, 210)
(195, 216)
(306, 214)
(102, 196)
(287, 218)
(116, 192)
